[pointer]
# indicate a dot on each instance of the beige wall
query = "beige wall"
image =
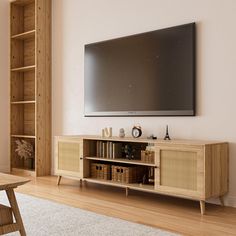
(77, 22)
(4, 85)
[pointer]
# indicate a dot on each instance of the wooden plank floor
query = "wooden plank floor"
(168, 213)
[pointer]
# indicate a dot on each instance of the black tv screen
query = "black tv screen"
(148, 74)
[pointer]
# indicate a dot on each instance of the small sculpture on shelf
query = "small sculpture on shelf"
(167, 136)
(107, 132)
(122, 133)
(129, 151)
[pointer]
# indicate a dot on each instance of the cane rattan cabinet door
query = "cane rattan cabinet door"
(180, 171)
(69, 159)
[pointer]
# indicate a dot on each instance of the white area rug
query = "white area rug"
(46, 218)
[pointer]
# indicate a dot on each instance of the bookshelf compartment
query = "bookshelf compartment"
(120, 150)
(20, 162)
(22, 17)
(22, 53)
(23, 86)
(23, 119)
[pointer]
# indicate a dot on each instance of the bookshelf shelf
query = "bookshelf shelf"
(22, 136)
(143, 187)
(23, 69)
(25, 35)
(121, 160)
(23, 102)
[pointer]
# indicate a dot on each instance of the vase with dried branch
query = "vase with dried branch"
(25, 150)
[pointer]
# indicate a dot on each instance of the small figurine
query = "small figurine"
(152, 137)
(107, 133)
(167, 137)
(122, 133)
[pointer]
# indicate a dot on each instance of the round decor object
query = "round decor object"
(136, 131)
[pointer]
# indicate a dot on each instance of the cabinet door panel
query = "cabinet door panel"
(69, 158)
(181, 171)
(178, 169)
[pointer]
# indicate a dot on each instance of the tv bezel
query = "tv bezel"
(191, 112)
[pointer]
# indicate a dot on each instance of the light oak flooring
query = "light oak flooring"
(168, 213)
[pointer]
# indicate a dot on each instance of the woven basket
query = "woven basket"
(127, 175)
(148, 156)
(100, 171)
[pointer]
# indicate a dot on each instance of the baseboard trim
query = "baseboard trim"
(228, 201)
(5, 168)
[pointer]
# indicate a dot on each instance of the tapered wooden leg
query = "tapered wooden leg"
(126, 192)
(58, 179)
(15, 209)
(80, 183)
(222, 200)
(202, 206)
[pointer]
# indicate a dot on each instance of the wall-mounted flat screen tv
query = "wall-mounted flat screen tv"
(147, 74)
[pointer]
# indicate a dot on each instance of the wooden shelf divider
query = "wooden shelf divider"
(25, 35)
(121, 160)
(23, 69)
(22, 136)
(23, 102)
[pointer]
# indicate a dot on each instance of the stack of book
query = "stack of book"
(107, 149)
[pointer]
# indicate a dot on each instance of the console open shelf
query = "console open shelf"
(121, 160)
(134, 186)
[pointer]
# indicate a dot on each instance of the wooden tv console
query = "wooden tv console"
(190, 169)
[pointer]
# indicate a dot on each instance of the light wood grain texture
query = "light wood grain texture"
(21, 171)
(5, 215)
(58, 180)
(25, 35)
(202, 207)
(163, 212)
(43, 87)
(121, 160)
(29, 52)
(68, 158)
(181, 170)
(11, 181)
(216, 170)
(23, 69)
(29, 16)
(8, 183)
(175, 142)
(23, 86)
(15, 209)
(31, 80)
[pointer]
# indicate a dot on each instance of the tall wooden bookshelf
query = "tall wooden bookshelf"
(30, 84)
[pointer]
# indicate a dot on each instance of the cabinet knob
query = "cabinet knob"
(81, 158)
